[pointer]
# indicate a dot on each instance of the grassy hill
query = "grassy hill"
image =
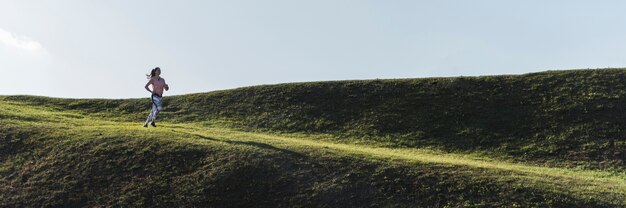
(541, 139)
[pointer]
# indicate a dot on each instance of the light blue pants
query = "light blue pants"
(156, 107)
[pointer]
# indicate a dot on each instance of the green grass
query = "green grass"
(562, 118)
(394, 143)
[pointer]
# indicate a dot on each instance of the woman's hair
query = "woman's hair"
(152, 73)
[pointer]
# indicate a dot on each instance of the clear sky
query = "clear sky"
(103, 49)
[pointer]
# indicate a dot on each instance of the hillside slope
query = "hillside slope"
(561, 118)
(51, 157)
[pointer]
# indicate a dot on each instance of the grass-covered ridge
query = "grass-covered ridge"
(568, 118)
(544, 139)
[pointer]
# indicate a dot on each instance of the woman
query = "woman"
(158, 84)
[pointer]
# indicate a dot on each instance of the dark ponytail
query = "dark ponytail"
(152, 73)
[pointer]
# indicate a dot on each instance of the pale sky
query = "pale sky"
(103, 49)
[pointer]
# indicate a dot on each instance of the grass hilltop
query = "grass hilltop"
(549, 139)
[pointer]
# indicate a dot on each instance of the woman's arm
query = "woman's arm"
(167, 87)
(148, 84)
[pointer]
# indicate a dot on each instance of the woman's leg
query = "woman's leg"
(154, 116)
(157, 106)
(151, 115)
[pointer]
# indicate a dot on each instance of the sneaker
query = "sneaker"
(153, 124)
(145, 125)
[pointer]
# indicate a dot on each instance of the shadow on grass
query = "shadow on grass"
(253, 144)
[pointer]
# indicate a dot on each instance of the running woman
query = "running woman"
(158, 84)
